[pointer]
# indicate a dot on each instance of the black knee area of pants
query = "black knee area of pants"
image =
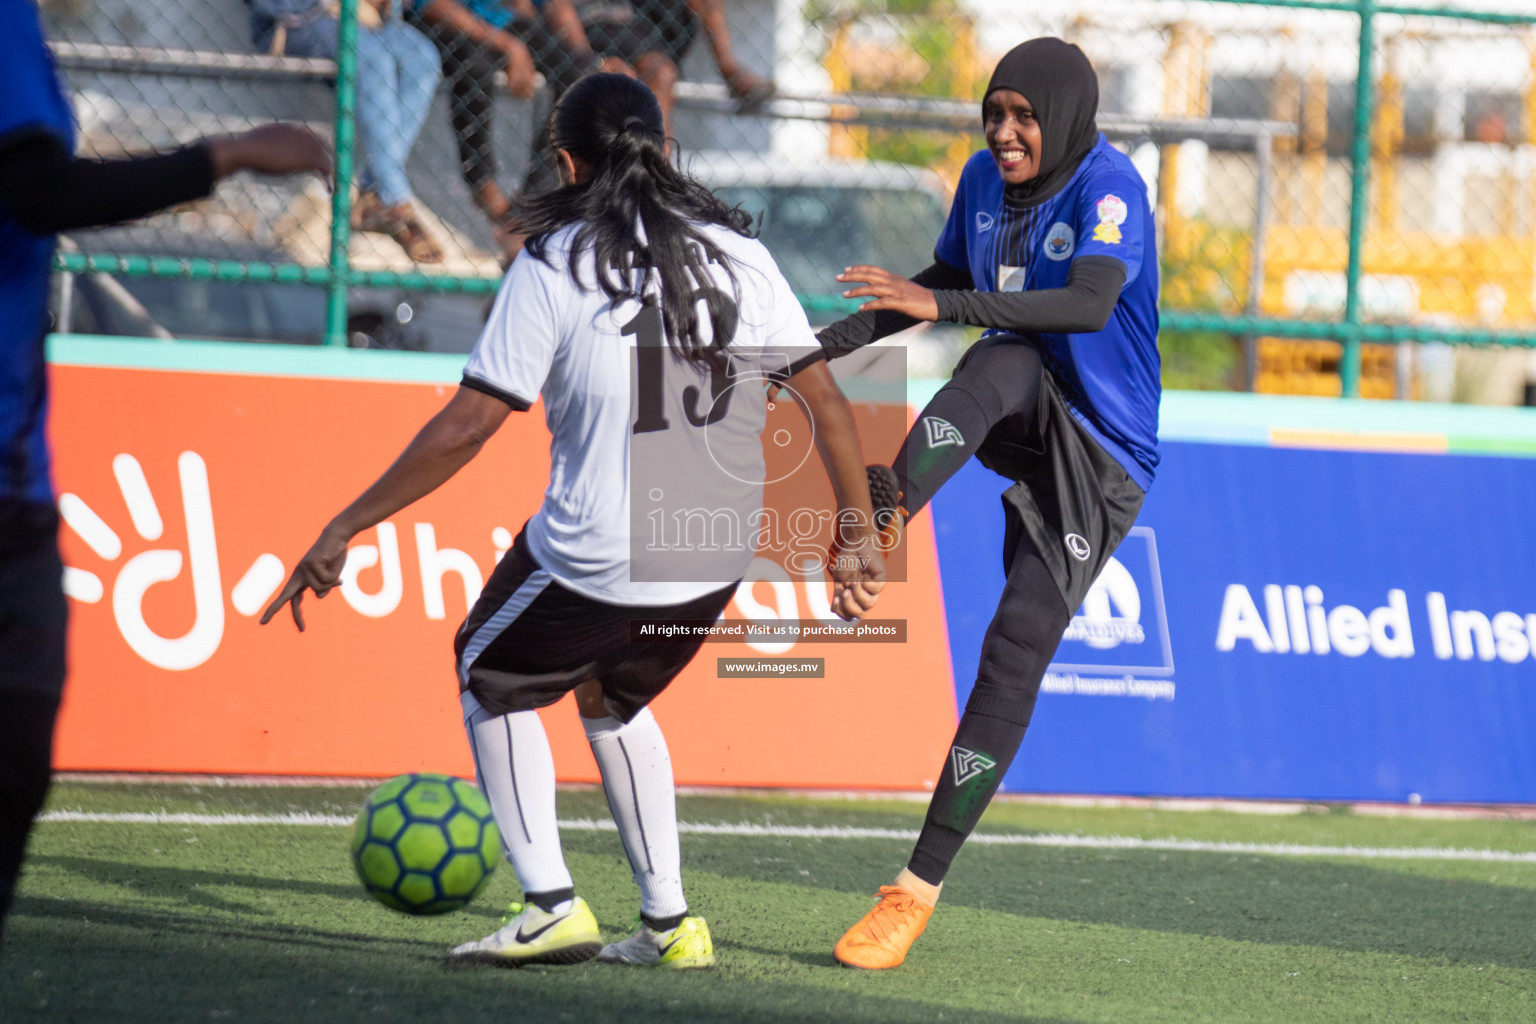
(994, 399)
(1021, 641)
(470, 68)
(26, 754)
(987, 398)
(1002, 372)
(1000, 382)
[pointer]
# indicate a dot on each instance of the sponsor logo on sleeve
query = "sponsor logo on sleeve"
(1060, 242)
(1112, 210)
(1112, 213)
(983, 223)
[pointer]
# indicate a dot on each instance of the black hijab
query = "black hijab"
(1060, 83)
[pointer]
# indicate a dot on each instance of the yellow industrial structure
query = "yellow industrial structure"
(937, 57)
(1482, 280)
(1410, 275)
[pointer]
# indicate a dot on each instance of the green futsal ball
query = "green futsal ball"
(425, 843)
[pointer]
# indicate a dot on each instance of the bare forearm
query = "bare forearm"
(855, 559)
(439, 450)
(837, 442)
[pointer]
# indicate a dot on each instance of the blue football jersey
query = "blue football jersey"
(31, 102)
(1110, 378)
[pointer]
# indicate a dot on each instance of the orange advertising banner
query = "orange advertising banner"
(188, 496)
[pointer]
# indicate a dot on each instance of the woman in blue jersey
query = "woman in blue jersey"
(1050, 246)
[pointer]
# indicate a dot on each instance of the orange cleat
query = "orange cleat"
(883, 936)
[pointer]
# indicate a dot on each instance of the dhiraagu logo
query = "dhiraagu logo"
(1121, 630)
(145, 569)
(127, 570)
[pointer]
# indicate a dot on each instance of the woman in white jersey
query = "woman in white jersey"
(637, 312)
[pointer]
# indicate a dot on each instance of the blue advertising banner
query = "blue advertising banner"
(1283, 623)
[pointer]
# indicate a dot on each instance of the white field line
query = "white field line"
(1491, 812)
(1049, 839)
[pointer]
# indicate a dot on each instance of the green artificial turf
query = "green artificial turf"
(129, 923)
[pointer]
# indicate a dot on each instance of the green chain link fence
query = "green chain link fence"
(1259, 126)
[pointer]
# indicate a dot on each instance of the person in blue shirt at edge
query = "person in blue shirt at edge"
(1050, 246)
(45, 189)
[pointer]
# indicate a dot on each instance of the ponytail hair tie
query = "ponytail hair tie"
(635, 122)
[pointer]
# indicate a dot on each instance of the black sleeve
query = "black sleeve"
(859, 329)
(487, 388)
(1083, 306)
(47, 191)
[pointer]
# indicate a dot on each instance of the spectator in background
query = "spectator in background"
(615, 29)
(397, 76)
(678, 23)
(45, 189)
(481, 39)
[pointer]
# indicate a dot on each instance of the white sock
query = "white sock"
(516, 772)
(637, 776)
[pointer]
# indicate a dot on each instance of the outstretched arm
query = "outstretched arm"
(438, 451)
(1082, 305)
(47, 190)
(871, 324)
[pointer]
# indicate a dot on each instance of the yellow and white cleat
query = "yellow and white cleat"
(687, 945)
(528, 935)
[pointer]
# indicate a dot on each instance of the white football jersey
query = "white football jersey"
(656, 463)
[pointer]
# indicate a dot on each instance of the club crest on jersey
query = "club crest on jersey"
(942, 432)
(1112, 213)
(968, 764)
(983, 222)
(1010, 279)
(1060, 242)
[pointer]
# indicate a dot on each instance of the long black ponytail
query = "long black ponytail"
(612, 124)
